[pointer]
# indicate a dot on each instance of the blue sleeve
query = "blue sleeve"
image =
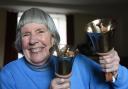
(122, 78)
(6, 79)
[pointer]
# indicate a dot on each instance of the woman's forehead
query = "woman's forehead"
(34, 26)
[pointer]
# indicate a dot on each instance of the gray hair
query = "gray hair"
(35, 15)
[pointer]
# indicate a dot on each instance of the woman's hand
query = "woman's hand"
(60, 83)
(109, 61)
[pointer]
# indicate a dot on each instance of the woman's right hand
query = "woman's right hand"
(60, 83)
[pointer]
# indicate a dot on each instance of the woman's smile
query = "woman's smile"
(36, 50)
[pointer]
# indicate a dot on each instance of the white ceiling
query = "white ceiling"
(68, 6)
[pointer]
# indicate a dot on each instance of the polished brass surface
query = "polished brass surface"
(64, 61)
(100, 34)
(64, 65)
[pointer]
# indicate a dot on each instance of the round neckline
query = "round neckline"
(39, 68)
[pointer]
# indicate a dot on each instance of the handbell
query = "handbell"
(64, 61)
(100, 34)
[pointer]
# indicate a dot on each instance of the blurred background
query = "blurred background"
(71, 17)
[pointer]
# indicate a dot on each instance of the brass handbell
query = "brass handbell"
(100, 34)
(64, 62)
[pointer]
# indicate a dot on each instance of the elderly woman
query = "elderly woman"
(36, 39)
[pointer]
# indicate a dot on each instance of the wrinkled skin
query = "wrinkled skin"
(60, 83)
(36, 43)
(109, 61)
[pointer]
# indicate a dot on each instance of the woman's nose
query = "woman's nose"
(33, 40)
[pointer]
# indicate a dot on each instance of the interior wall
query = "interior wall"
(123, 33)
(10, 53)
(80, 21)
(2, 34)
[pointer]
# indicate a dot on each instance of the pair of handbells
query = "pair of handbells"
(100, 34)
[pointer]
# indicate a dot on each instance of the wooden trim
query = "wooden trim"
(70, 29)
(10, 51)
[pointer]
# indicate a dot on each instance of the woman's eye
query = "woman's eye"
(25, 34)
(41, 31)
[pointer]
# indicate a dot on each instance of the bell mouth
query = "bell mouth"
(100, 35)
(99, 26)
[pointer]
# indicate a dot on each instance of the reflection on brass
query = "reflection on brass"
(100, 35)
(64, 65)
(64, 62)
(66, 51)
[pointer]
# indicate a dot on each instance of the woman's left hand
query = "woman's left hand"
(109, 61)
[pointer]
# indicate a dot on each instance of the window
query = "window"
(60, 22)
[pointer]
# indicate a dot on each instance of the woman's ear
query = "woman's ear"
(52, 45)
(53, 41)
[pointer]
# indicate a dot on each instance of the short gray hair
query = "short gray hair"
(35, 15)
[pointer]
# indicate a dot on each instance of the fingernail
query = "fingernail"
(62, 80)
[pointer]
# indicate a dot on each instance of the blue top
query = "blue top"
(86, 74)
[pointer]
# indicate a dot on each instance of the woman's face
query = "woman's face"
(36, 43)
